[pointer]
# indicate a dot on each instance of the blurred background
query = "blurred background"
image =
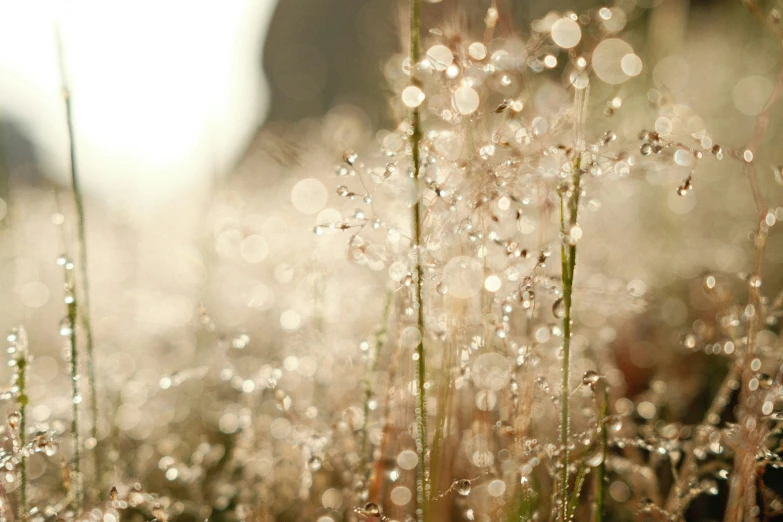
(206, 135)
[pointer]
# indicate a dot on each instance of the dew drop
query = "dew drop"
(558, 308)
(496, 488)
(466, 100)
(689, 340)
(350, 157)
(566, 33)
(462, 487)
(440, 57)
(407, 459)
(614, 423)
(412, 96)
(371, 509)
(590, 378)
(754, 280)
(477, 51)
(442, 288)
(683, 157)
(14, 419)
(315, 463)
(543, 384)
(66, 327)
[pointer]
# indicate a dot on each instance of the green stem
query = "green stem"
(84, 308)
(75, 398)
(422, 470)
(580, 479)
(600, 504)
(21, 380)
(568, 262)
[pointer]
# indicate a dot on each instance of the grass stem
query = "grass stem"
(600, 502)
(69, 330)
(568, 263)
(83, 311)
(422, 471)
(22, 399)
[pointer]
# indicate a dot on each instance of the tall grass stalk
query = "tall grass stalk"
(600, 502)
(69, 330)
(83, 312)
(422, 470)
(22, 399)
(569, 198)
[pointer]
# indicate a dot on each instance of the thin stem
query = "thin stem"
(83, 311)
(21, 382)
(422, 471)
(568, 264)
(74, 367)
(600, 504)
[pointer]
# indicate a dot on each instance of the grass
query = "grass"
(505, 169)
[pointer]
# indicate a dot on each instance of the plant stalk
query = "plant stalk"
(21, 381)
(422, 470)
(75, 397)
(568, 261)
(600, 504)
(83, 311)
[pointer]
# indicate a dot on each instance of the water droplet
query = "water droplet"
(496, 488)
(412, 96)
(371, 509)
(614, 422)
(51, 449)
(590, 378)
(442, 288)
(466, 100)
(574, 234)
(683, 157)
(754, 280)
(690, 340)
(595, 457)
(343, 191)
(315, 463)
(543, 384)
(66, 327)
(477, 51)
(407, 459)
(462, 487)
(683, 189)
(558, 308)
(350, 157)
(440, 57)
(492, 283)
(14, 419)
(566, 33)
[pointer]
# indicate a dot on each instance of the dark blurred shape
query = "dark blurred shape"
(321, 54)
